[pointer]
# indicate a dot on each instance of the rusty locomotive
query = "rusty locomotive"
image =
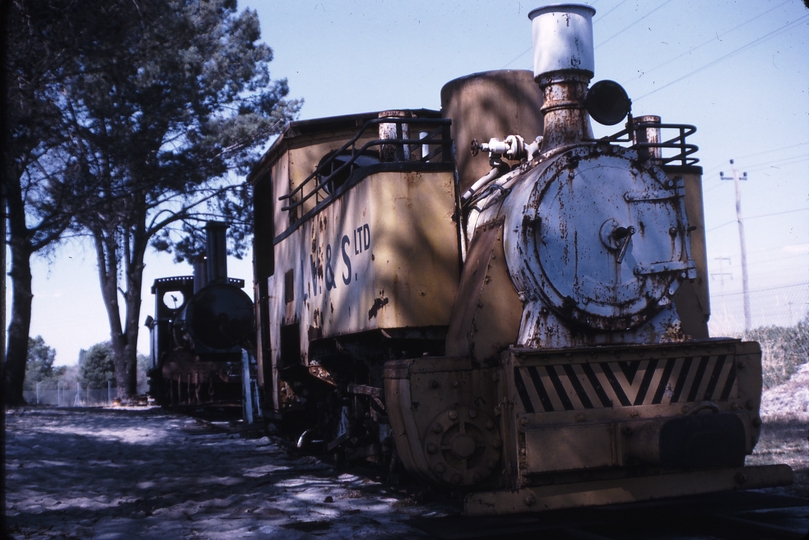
(529, 329)
(202, 337)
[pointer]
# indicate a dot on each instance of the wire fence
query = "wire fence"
(782, 306)
(73, 395)
(779, 322)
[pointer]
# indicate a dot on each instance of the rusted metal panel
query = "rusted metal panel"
(562, 448)
(624, 490)
(380, 256)
(693, 301)
(489, 105)
(612, 407)
(487, 312)
(280, 187)
(565, 122)
(597, 246)
(445, 420)
(304, 160)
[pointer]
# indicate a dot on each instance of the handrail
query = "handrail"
(677, 142)
(439, 137)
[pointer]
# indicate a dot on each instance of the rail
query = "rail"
(438, 143)
(636, 132)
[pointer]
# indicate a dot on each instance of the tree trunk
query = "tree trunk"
(18, 329)
(133, 300)
(22, 297)
(123, 336)
(107, 260)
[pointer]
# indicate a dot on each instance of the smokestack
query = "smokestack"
(200, 273)
(563, 66)
(216, 251)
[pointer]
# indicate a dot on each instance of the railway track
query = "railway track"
(733, 516)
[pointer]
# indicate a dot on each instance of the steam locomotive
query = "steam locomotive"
(201, 337)
(531, 328)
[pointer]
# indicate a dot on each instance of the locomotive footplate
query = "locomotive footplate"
(603, 492)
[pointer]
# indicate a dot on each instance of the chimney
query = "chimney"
(200, 265)
(563, 67)
(217, 255)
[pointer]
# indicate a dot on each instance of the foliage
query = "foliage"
(167, 99)
(96, 366)
(784, 350)
(39, 367)
(143, 367)
(159, 122)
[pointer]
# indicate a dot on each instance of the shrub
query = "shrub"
(39, 367)
(96, 366)
(783, 350)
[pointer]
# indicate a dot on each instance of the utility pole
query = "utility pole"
(739, 219)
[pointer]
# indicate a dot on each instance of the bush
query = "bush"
(96, 366)
(39, 367)
(783, 350)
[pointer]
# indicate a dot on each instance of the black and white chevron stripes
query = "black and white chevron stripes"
(567, 387)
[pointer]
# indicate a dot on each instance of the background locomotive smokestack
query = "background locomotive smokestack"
(563, 67)
(216, 251)
(200, 273)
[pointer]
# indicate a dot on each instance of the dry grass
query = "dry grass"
(784, 441)
(784, 433)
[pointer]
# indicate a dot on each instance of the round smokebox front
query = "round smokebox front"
(602, 238)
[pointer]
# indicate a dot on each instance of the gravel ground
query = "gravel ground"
(144, 473)
(114, 473)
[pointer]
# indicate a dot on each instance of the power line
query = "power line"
(760, 168)
(759, 216)
(631, 25)
(599, 19)
(768, 261)
(768, 289)
(787, 257)
(772, 150)
(712, 188)
(732, 53)
(518, 57)
(712, 40)
(792, 160)
(774, 248)
(526, 51)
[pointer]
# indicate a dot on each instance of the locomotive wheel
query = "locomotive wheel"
(462, 446)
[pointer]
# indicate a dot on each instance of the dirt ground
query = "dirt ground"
(144, 473)
(785, 431)
(115, 474)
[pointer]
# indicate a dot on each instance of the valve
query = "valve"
(512, 147)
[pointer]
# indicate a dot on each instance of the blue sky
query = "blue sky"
(738, 70)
